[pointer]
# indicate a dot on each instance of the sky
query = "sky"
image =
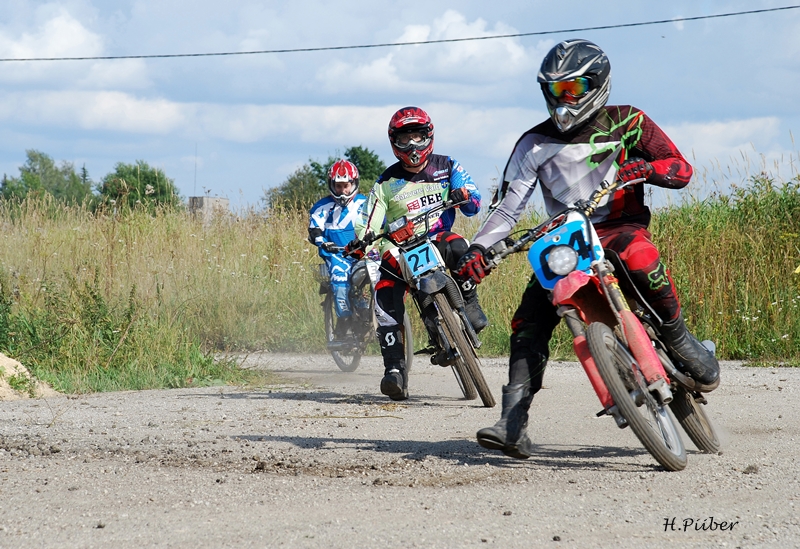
(725, 89)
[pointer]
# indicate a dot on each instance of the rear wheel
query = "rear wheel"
(695, 422)
(467, 366)
(648, 419)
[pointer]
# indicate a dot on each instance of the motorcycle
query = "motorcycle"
(616, 333)
(348, 351)
(437, 297)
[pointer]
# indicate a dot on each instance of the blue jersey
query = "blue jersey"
(330, 222)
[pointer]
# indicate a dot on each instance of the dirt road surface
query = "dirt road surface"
(323, 460)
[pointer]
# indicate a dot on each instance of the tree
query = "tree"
(369, 165)
(299, 191)
(139, 184)
(309, 183)
(40, 175)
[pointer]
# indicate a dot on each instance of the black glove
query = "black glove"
(355, 248)
(473, 265)
(635, 168)
(329, 247)
(459, 195)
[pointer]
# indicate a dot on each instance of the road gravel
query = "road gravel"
(321, 459)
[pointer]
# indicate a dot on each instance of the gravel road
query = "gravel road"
(323, 460)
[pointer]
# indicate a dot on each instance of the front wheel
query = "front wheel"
(695, 422)
(649, 420)
(347, 358)
(408, 341)
(467, 366)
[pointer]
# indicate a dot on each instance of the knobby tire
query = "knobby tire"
(467, 365)
(657, 432)
(346, 361)
(692, 417)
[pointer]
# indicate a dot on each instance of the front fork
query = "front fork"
(581, 348)
(576, 310)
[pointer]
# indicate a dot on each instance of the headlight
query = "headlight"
(398, 224)
(562, 260)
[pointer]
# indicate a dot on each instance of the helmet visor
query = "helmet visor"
(409, 139)
(575, 88)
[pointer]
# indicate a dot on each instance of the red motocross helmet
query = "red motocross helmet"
(411, 135)
(343, 171)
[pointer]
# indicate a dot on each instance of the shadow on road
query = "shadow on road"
(468, 452)
(332, 397)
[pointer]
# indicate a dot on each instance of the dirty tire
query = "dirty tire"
(408, 341)
(650, 422)
(347, 361)
(468, 364)
(692, 417)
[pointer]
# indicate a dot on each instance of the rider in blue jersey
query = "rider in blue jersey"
(331, 226)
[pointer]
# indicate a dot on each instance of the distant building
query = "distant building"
(206, 207)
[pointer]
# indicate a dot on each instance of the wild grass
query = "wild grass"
(95, 301)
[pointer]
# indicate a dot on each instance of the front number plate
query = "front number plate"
(421, 259)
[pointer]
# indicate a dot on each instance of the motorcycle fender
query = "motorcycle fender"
(581, 348)
(567, 286)
(582, 291)
(432, 283)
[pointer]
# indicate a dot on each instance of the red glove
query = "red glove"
(355, 248)
(635, 168)
(473, 265)
(459, 195)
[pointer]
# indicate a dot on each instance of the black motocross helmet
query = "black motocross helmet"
(576, 80)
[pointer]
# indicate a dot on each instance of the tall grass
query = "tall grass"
(107, 300)
(735, 258)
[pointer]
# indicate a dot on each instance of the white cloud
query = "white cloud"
(124, 113)
(468, 64)
(59, 34)
(725, 141)
(112, 111)
(486, 132)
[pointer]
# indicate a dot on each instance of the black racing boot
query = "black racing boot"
(342, 327)
(508, 434)
(395, 377)
(474, 312)
(694, 359)
(395, 381)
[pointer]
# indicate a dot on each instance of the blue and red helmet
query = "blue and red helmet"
(411, 136)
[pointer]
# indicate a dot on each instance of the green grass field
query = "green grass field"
(107, 301)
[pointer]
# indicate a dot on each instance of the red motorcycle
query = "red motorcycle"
(616, 333)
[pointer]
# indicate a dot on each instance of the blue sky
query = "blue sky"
(724, 89)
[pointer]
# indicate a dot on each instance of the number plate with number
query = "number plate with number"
(421, 259)
(576, 234)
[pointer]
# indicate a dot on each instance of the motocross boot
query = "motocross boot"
(395, 381)
(694, 359)
(395, 377)
(342, 327)
(509, 434)
(474, 312)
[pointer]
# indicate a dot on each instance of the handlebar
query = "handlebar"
(370, 237)
(332, 249)
(508, 246)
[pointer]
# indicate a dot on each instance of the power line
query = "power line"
(395, 44)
